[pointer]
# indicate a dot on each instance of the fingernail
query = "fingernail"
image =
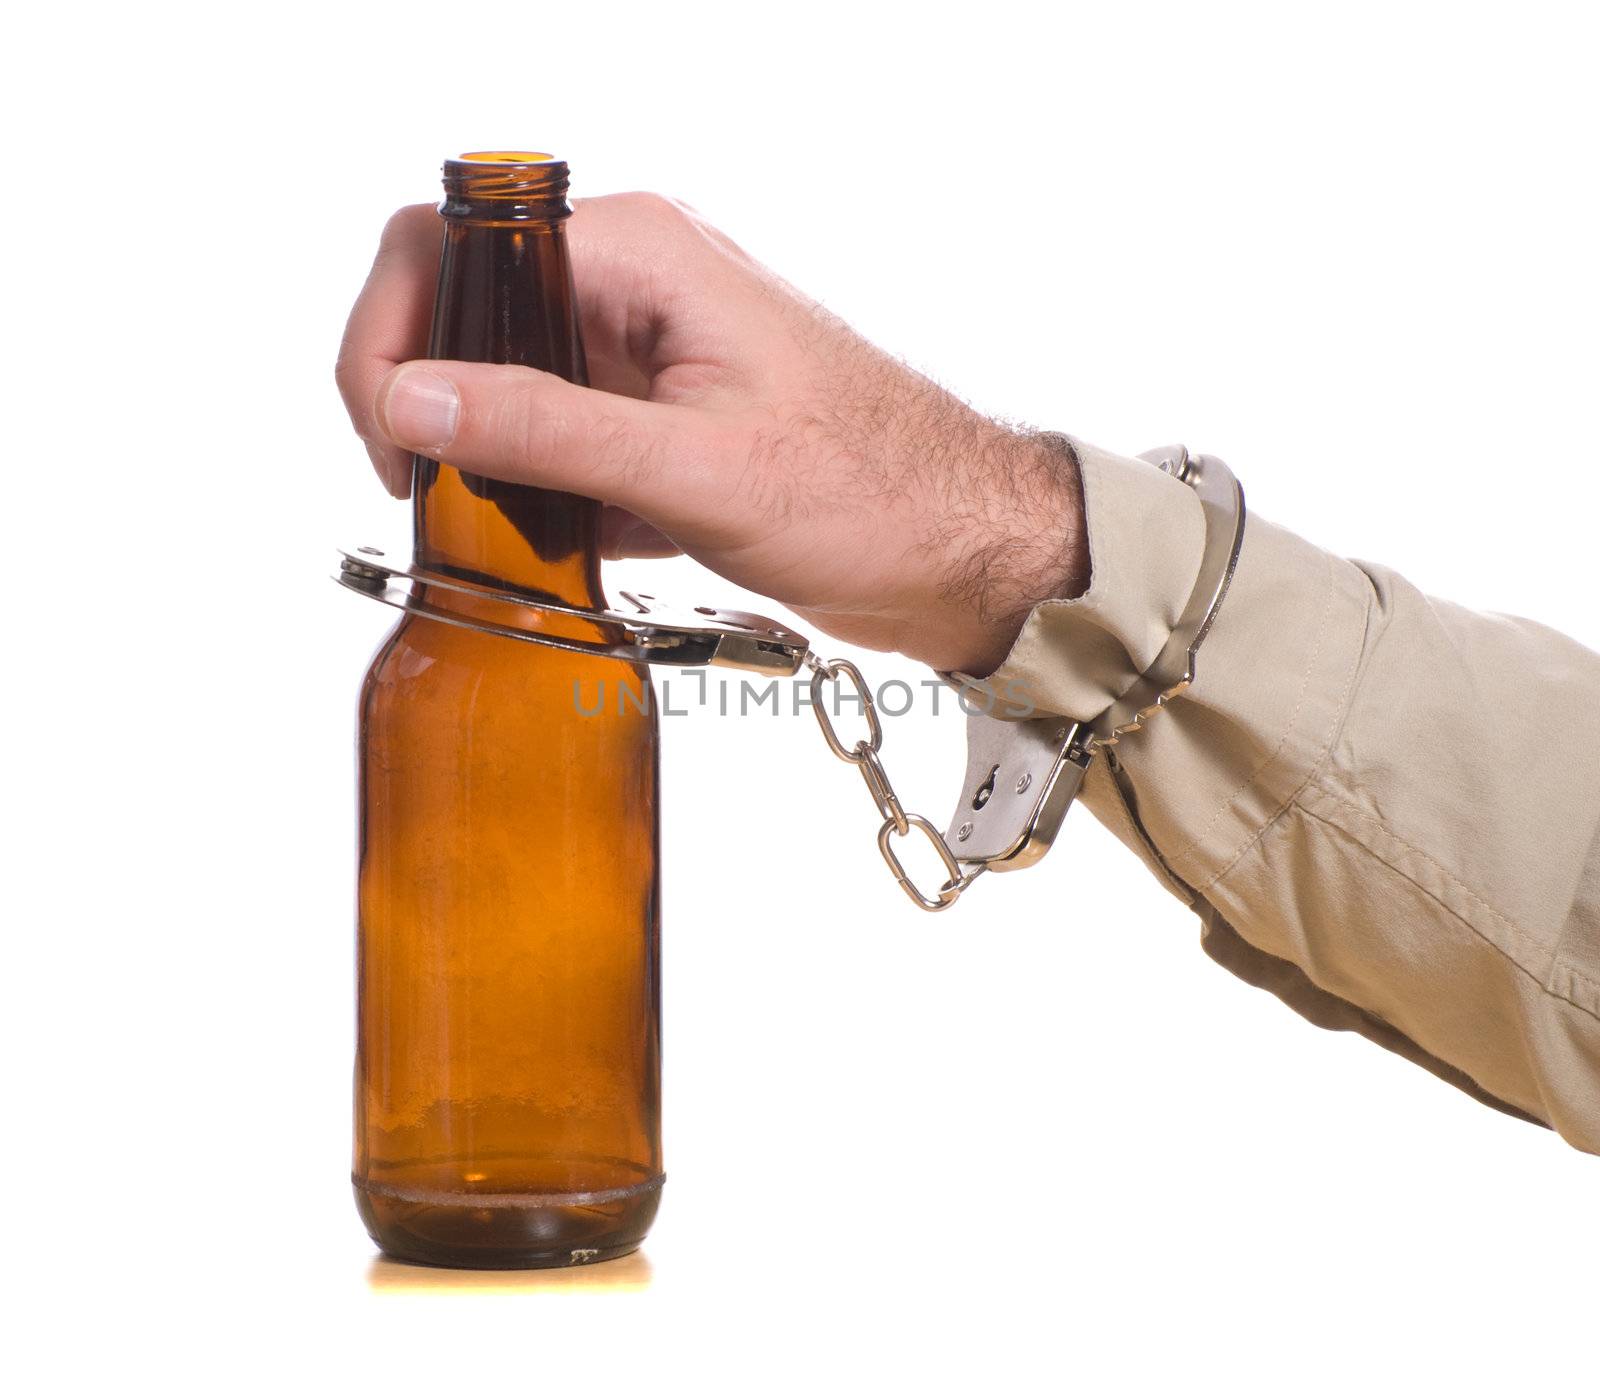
(420, 410)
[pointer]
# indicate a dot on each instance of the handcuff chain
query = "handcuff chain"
(1169, 677)
(897, 823)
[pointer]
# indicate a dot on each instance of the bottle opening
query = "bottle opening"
(505, 185)
(506, 156)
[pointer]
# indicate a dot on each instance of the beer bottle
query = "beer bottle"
(508, 1051)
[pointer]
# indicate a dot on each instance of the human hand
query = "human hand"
(735, 420)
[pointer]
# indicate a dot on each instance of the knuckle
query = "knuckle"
(539, 422)
(403, 223)
(412, 236)
(623, 450)
(763, 480)
(523, 425)
(350, 376)
(676, 207)
(657, 207)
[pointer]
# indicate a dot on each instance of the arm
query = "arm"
(1346, 797)
(1384, 808)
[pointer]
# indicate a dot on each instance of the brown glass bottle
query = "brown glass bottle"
(508, 1053)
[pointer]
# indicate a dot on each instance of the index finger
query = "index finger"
(388, 325)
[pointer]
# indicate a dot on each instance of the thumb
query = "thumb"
(523, 425)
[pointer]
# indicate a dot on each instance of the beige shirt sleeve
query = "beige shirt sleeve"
(1355, 796)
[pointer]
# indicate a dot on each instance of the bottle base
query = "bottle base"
(506, 1231)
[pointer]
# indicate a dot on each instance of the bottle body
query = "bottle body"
(508, 1056)
(508, 1051)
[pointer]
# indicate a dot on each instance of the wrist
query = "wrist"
(1015, 536)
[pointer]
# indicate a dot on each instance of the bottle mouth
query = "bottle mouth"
(505, 156)
(501, 185)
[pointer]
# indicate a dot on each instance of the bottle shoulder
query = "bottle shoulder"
(451, 668)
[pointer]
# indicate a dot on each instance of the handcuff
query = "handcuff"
(1022, 774)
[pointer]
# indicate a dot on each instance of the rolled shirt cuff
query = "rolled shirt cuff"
(1273, 675)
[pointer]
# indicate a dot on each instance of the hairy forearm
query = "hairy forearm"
(1016, 543)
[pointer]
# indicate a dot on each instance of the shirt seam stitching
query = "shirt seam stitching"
(1318, 762)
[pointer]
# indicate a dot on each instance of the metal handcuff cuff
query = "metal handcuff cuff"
(1022, 773)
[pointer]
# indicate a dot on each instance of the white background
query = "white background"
(1348, 248)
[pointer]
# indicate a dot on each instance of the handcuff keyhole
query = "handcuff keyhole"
(986, 789)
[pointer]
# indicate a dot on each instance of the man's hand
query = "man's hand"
(739, 422)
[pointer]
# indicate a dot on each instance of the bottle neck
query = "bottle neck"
(505, 295)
